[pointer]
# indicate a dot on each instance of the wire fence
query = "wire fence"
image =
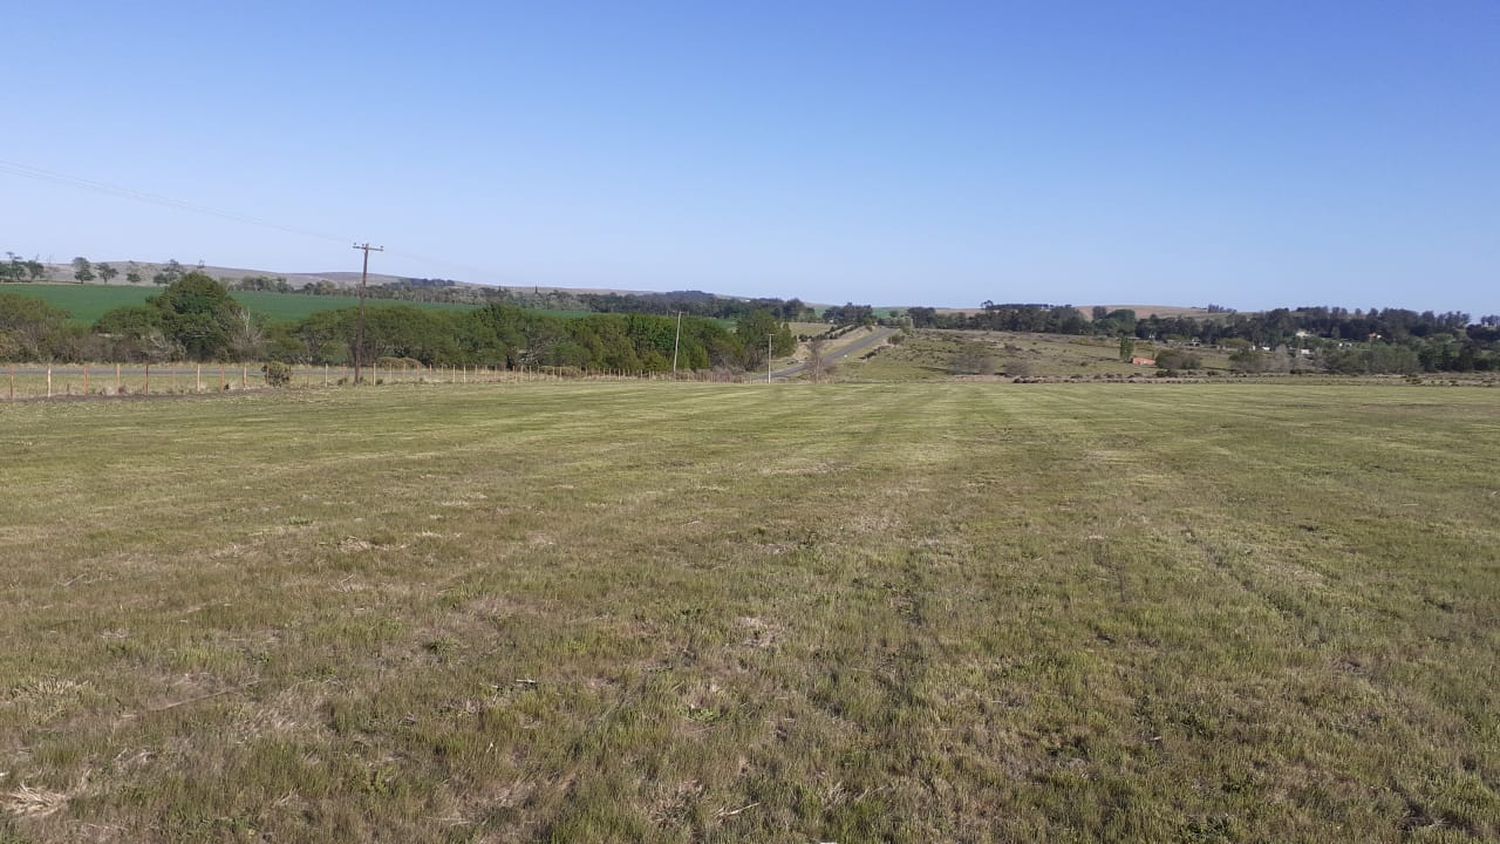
(28, 382)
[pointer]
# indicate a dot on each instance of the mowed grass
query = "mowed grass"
(682, 612)
(85, 303)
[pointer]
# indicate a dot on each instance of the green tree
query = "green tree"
(169, 273)
(83, 270)
(200, 316)
(13, 269)
(1127, 348)
(30, 329)
(132, 273)
(753, 328)
(106, 272)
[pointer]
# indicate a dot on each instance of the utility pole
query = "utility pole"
(359, 334)
(675, 343)
(768, 357)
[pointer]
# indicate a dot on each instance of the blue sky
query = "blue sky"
(1251, 154)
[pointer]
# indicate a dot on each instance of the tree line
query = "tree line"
(438, 290)
(197, 318)
(1374, 340)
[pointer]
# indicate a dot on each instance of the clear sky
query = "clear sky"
(1251, 154)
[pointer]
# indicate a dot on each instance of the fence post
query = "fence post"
(117, 379)
(222, 380)
(146, 390)
(199, 382)
(49, 380)
(244, 377)
(325, 374)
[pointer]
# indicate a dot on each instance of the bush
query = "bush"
(973, 359)
(277, 374)
(1017, 368)
(1177, 359)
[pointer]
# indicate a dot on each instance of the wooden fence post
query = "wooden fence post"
(117, 379)
(199, 386)
(146, 390)
(49, 380)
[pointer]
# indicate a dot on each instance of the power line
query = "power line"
(40, 174)
(27, 171)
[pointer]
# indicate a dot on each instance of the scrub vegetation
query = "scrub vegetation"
(696, 612)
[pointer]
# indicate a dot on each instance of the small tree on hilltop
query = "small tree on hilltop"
(106, 272)
(83, 271)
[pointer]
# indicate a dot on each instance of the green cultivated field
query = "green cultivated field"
(87, 302)
(681, 612)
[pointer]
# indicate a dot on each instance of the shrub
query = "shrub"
(973, 359)
(1177, 359)
(1018, 368)
(278, 374)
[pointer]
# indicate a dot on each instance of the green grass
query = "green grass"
(681, 612)
(85, 303)
(929, 354)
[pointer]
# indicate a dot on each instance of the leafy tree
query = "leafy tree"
(133, 273)
(199, 315)
(1127, 348)
(106, 272)
(169, 273)
(83, 271)
(30, 329)
(1177, 359)
(136, 333)
(13, 269)
(752, 330)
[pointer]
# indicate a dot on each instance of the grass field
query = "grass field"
(681, 612)
(87, 302)
(928, 355)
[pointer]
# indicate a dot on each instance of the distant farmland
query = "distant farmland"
(87, 302)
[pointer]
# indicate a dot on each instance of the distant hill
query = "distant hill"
(63, 273)
(85, 303)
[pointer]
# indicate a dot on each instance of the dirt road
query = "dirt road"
(864, 344)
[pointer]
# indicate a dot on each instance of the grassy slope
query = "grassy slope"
(87, 302)
(913, 612)
(928, 355)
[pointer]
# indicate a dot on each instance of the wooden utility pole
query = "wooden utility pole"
(359, 333)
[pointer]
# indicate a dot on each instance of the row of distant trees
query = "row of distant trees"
(18, 269)
(1342, 340)
(197, 318)
(439, 290)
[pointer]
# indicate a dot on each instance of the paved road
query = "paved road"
(858, 347)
